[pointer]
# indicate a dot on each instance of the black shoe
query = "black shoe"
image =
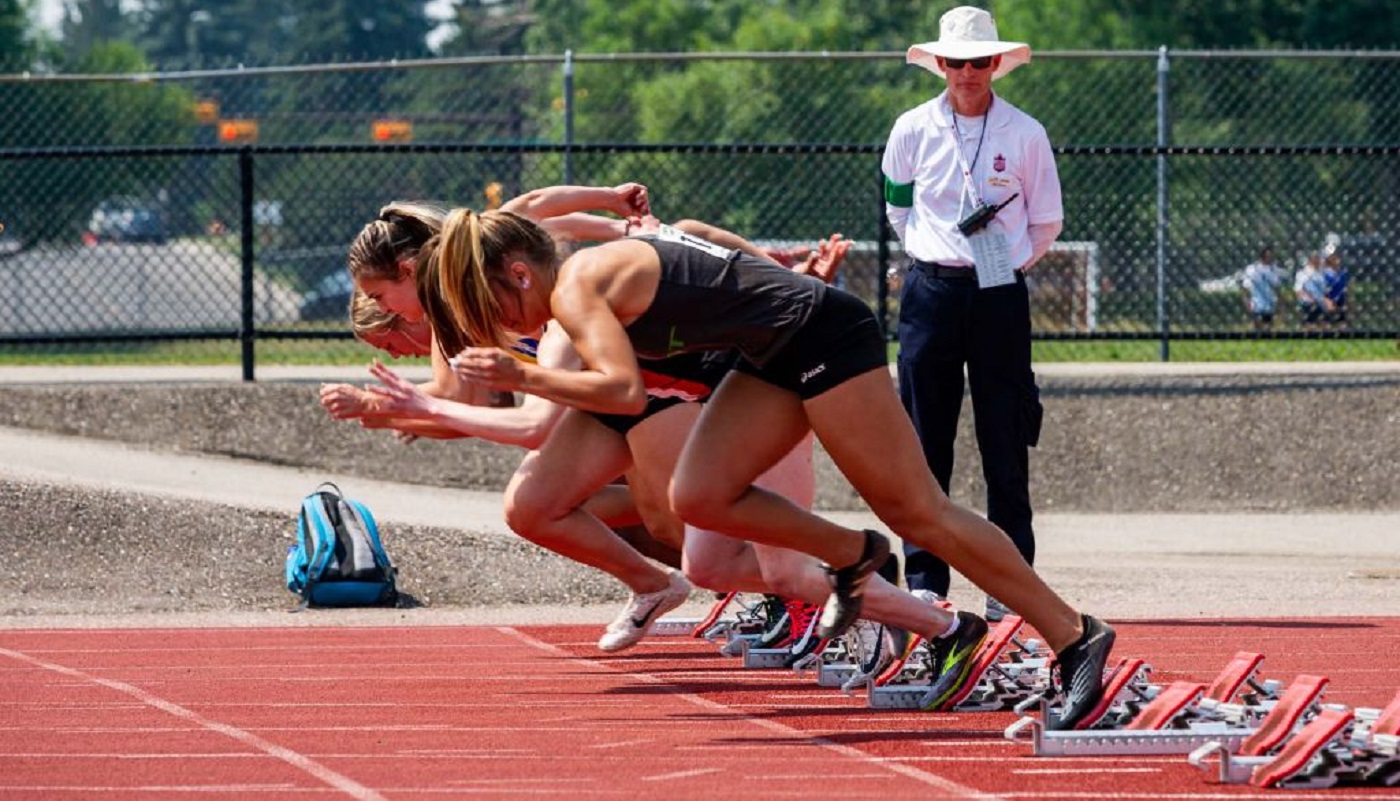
(848, 586)
(950, 660)
(1080, 673)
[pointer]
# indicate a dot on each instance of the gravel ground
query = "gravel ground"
(1141, 444)
(1308, 459)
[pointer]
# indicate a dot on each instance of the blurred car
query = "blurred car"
(1228, 283)
(126, 220)
(329, 299)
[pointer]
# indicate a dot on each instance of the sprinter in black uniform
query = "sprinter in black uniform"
(813, 360)
(544, 500)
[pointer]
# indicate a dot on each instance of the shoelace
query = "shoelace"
(801, 614)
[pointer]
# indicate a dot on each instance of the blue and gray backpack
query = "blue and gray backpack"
(338, 559)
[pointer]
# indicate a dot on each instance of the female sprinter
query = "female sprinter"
(813, 360)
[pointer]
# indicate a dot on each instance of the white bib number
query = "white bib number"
(667, 233)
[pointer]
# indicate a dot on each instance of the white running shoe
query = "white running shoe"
(996, 610)
(635, 620)
(872, 649)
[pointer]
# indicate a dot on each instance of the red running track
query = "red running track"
(528, 712)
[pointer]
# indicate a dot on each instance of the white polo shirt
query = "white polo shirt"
(1015, 158)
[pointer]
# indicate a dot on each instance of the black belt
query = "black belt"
(954, 272)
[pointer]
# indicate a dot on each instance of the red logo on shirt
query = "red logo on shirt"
(999, 163)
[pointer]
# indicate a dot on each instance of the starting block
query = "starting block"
(834, 665)
(698, 626)
(1151, 732)
(769, 658)
(732, 616)
(1337, 746)
(1004, 670)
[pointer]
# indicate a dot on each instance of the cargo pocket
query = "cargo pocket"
(1032, 412)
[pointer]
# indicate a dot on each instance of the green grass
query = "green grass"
(349, 352)
(1213, 351)
(222, 352)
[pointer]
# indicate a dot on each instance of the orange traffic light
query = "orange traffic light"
(238, 132)
(392, 131)
(206, 112)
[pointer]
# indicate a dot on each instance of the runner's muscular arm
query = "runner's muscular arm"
(595, 287)
(526, 426)
(625, 200)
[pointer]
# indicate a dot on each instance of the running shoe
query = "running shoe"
(848, 586)
(872, 647)
(996, 610)
(778, 622)
(950, 659)
(803, 640)
(1078, 673)
(635, 620)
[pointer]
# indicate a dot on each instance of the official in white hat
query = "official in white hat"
(967, 33)
(972, 191)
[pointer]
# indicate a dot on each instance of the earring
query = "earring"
(525, 283)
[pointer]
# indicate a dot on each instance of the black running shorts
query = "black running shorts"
(839, 341)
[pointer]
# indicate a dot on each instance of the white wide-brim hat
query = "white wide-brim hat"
(968, 32)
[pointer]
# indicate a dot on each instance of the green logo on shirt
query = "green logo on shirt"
(675, 345)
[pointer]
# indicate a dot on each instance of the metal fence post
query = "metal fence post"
(568, 117)
(246, 333)
(1163, 137)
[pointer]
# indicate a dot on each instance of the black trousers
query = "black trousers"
(946, 322)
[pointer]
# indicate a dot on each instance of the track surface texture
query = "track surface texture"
(536, 711)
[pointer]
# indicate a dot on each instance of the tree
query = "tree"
(182, 34)
(88, 24)
(14, 36)
(51, 198)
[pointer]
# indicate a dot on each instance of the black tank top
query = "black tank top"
(711, 298)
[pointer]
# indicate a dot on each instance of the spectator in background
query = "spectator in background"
(1260, 283)
(964, 302)
(1311, 288)
(1336, 278)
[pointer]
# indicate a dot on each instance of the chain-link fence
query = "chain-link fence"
(168, 216)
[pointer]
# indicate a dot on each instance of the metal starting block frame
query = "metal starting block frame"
(730, 616)
(1150, 731)
(1005, 670)
(833, 666)
(1337, 746)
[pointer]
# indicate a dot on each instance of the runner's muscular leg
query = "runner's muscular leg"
(748, 426)
(544, 500)
(869, 437)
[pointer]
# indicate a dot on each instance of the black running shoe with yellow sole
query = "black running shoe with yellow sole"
(950, 660)
(848, 586)
(1080, 673)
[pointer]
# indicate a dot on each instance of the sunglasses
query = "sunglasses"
(977, 63)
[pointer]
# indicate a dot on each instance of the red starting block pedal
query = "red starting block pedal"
(1237, 763)
(1289, 768)
(1171, 705)
(996, 679)
(1198, 740)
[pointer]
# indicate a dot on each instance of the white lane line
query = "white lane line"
(1096, 771)
(933, 780)
(623, 744)
(343, 783)
(280, 789)
(682, 774)
(1248, 796)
